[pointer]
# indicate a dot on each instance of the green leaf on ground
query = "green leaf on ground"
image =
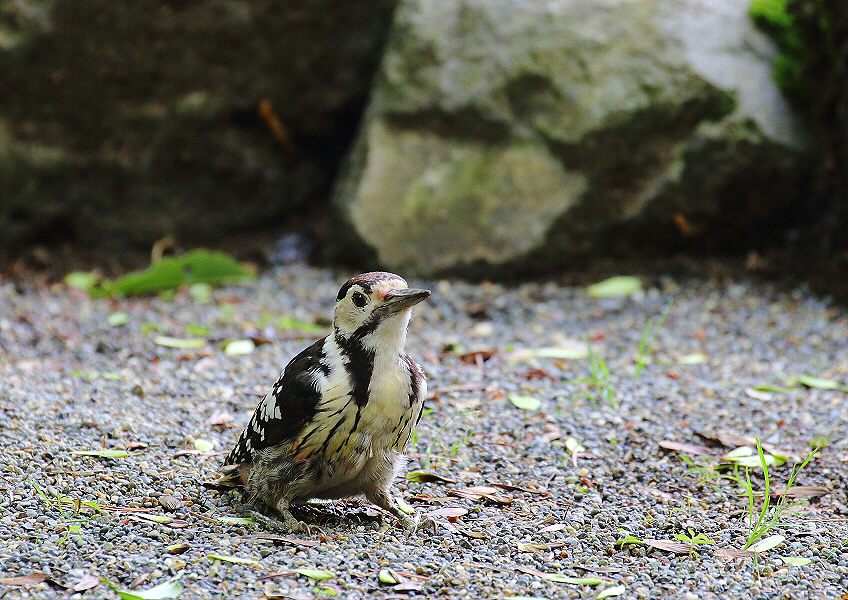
(403, 506)
(233, 559)
(116, 319)
(201, 292)
(291, 324)
(239, 347)
(81, 281)
(169, 589)
(525, 402)
(795, 561)
(315, 573)
(197, 330)
(161, 519)
(696, 358)
(198, 266)
(614, 287)
(204, 445)
(817, 382)
(102, 453)
(236, 520)
(558, 578)
(388, 576)
(179, 343)
(768, 543)
(427, 477)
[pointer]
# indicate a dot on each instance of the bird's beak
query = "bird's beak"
(398, 300)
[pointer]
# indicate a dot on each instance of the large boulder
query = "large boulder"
(124, 122)
(511, 135)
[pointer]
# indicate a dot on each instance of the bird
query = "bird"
(339, 417)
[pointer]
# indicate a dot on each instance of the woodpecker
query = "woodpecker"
(337, 421)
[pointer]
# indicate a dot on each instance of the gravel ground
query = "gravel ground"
(70, 381)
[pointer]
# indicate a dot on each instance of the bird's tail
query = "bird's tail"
(231, 477)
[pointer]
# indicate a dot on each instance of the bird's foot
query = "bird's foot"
(286, 523)
(417, 523)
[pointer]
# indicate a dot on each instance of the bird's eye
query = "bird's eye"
(359, 299)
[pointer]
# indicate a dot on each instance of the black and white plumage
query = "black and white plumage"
(336, 422)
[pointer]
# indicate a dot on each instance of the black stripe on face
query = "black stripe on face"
(359, 365)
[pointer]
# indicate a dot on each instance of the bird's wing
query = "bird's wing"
(286, 408)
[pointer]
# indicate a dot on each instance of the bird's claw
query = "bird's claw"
(285, 524)
(418, 523)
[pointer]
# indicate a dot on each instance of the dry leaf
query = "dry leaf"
(684, 447)
(450, 512)
(477, 356)
(86, 583)
(727, 554)
(24, 579)
(518, 488)
(801, 491)
(219, 418)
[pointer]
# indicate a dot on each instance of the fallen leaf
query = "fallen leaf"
(204, 445)
(117, 319)
(135, 446)
(450, 512)
(801, 491)
(694, 449)
(427, 477)
(696, 358)
(552, 528)
(220, 418)
(561, 578)
(235, 520)
(239, 347)
(614, 287)
(24, 579)
(616, 590)
(732, 553)
(817, 382)
(179, 343)
(161, 519)
(570, 350)
(759, 394)
(388, 576)
(472, 358)
(233, 559)
(178, 548)
(86, 583)
(766, 544)
(102, 453)
(518, 488)
(169, 589)
(795, 561)
(318, 574)
(525, 402)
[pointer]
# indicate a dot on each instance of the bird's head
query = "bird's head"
(375, 305)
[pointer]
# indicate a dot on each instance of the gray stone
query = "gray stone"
(505, 135)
